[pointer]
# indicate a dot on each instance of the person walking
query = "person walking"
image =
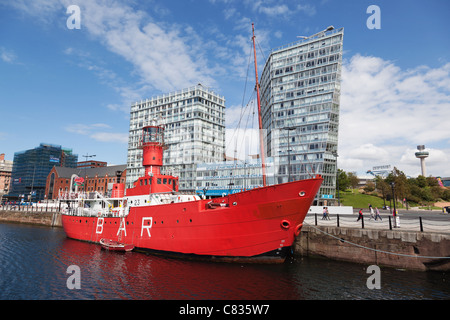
(377, 214)
(324, 213)
(327, 213)
(372, 215)
(360, 215)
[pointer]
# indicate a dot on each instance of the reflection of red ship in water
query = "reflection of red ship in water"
(106, 275)
(258, 225)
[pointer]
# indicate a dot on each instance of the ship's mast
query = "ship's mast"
(261, 138)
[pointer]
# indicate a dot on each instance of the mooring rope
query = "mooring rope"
(377, 250)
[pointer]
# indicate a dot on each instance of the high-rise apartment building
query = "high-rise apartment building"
(194, 122)
(300, 93)
(31, 168)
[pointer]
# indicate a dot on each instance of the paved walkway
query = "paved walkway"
(429, 224)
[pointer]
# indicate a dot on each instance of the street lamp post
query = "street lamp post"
(395, 213)
(335, 154)
(393, 197)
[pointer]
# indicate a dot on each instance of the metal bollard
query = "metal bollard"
(421, 225)
(338, 220)
(390, 223)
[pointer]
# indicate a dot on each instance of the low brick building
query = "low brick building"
(98, 179)
(91, 164)
(5, 174)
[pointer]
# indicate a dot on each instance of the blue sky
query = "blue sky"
(74, 87)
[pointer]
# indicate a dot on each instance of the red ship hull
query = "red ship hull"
(258, 225)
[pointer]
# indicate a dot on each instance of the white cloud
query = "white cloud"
(368, 151)
(97, 132)
(229, 12)
(386, 111)
(241, 143)
(233, 115)
(242, 133)
(78, 128)
(41, 10)
(86, 129)
(7, 55)
(307, 8)
(273, 8)
(278, 34)
(164, 56)
(110, 137)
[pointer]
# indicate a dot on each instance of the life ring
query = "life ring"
(298, 229)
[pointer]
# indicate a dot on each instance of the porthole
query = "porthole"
(302, 193)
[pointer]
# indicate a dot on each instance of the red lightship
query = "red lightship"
(258, 225)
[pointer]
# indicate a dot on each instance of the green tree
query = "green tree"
(382, 186)
(446, 195)
(354, 181)
(436, 192)
(370, 186)
(420, 181)
(419, 190)
(432, 182)
(344, 182)
(400, 184)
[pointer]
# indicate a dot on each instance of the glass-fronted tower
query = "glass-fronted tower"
(194, 132)
(300, 94)
(31, 168)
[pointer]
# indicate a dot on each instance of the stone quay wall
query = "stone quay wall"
(391, 248)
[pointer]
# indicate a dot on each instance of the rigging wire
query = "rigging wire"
(376, 250)
(243, 98)
(260, 49)
(241, 117)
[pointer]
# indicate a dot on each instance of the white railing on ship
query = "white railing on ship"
(72, 195)
(89, 212)
(81, 195)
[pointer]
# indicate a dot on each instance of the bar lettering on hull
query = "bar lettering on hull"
(99, 228)
(147, 226)
(122, 227)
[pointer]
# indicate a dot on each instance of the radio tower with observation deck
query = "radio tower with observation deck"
(422, 154)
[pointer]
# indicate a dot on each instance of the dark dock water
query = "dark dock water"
(35, 264)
